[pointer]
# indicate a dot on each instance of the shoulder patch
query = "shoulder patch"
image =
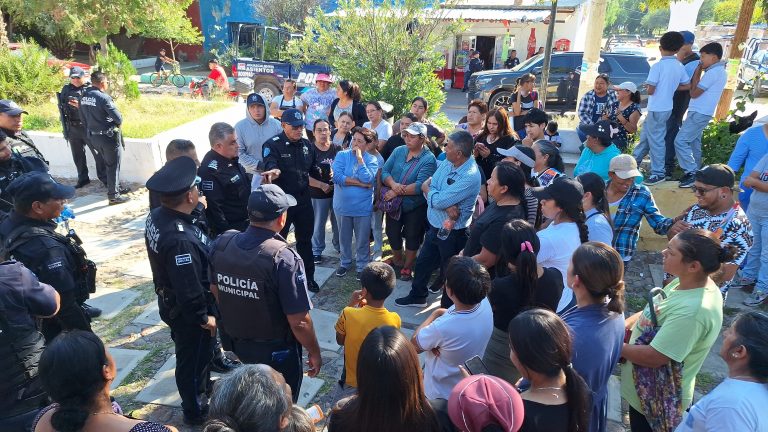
(266, 151)
(207, 185)
(55, 265)
(276, 138)
(183, 259)
(214, 165)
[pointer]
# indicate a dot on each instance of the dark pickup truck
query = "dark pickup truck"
(496, 87)
(753, 70)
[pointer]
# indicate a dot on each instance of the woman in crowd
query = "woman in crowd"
(497, 134)
(689, 317)
(525, 158)
(251, 398)
(475, 118)
(317, 101)
(390, 389)
(561, 203)
(377, 123)
(549, 163)
(506, 186)
(599, 149)
(420, 108)
(76, 372)
(354, 175)
(286, 100)
(348, 100)
(597, 321)
(596, 208)
(558, 398)
(523, 99)
(342, 135)
(751, 146)
(595, 103)
(406, 169)
(526, 284)
(738, 403)
(322, 198)
(625, 112)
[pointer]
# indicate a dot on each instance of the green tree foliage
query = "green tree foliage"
(284, 12)
(624, 16)
(119, 70)
(655, 20)
(25, 75)
(391, 50)
(727, 11)
(173, 26)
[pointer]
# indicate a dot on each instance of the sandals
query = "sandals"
(406, 274)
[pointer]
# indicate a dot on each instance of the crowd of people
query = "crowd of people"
(527, 264)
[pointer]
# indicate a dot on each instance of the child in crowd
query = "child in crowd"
(666, 76)
(535, 124)
(756, 267)
(365, 312)
(299, 421)
(552, 134)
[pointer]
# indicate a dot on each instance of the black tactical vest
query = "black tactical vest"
(248, 289)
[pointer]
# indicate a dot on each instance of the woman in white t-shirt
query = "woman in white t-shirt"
(561, 203)
(287, 100)
(738, 403)
(596, 208)
(376, 122)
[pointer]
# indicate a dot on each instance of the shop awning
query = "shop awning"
(497, 15)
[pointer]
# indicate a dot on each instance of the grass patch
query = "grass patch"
(634, 302)
(142, 118)
(110, 329)
(706, 382)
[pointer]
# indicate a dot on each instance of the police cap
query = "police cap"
(293, 117)
(175, 177)
(267, 202)
(38, 186)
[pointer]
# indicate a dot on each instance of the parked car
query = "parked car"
(496, 87)
(623, 39)
(65, 65)
(753, 70)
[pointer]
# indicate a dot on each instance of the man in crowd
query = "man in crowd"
(102, 120)
(451, 194)
(288, 160)
(225, 183)
(253, 131)
(680, 100)
(23, 299)
(474, 64)
(535, 122)
(261, 290)
(74, 130)
(219, 77)
(11, 122)
(511, 60)
(716, 210)
(178, 256)
(12, 165)
(29, 235)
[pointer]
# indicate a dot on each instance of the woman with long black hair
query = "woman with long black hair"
(596, 208)
(525, 158)
(549, 163)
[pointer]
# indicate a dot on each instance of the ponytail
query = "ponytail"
(71, 415)
(600, 270)
(579, 405)
(635, 97)
(519, 247)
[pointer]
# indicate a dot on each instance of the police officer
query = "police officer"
(11, 122)
(261, 290)
(178, 251)
(74, 130)
(288, 159)
(102, 120)
(12, 166)
(23, 299)
(29, 235)
(225, 183)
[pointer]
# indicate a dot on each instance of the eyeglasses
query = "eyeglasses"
(701, 191)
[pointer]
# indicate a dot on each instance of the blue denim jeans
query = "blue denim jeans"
(323, 209)
(652, 141)
(360, 226)
(435, 254)
(688, 141)
(377, 225)
(756, 265)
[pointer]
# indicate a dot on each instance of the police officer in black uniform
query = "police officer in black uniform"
(74, 130)
(102, 120)
(261, 290)
(23, 299)
(288, 160)
(11, 122)
(12, 166)
(225, 183)
(178, 252)
(29, 235)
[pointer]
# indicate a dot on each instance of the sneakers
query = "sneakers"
(317, 259)
(409, 301)
(653, 180)
(91, 311)
(745, 284)
(435, 288)
(312, 286)
(118, 199)
(82, 183)
(341, 272)
(756, 298)
(687, 180)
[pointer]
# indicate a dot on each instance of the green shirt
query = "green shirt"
(690, 321)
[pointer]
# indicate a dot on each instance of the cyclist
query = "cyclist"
(218, 76)
(160, 62)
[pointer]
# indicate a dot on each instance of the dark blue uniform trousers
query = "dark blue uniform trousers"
(111, 151)
(194, 351)
(283, 356)
(434, 254)
(77, 144)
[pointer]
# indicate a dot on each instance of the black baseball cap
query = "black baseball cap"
(267, 202)
(175, 177)
(293, 117)
(38, 186)
(563, 190)
(602, 130)
(256, 99)
(718, 175)
(76, 72)
(11, 108)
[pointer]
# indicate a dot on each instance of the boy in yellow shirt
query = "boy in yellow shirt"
(365, 312)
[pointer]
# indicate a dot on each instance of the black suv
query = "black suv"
(495, 87)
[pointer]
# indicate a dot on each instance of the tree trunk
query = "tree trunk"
(173, 49)
(739, 37)
(3, 31)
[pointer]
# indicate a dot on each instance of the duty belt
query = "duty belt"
(109, 132)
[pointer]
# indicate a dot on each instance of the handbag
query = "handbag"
(393, 207)
(660, 390)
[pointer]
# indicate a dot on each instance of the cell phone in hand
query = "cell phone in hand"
(475, 366)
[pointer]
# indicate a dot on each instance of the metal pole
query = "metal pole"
(548, 54)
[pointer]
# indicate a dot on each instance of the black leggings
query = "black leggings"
(638, 422)
(411, 226)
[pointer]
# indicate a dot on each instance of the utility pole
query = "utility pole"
(737, 49)
(548, 53)
(589, 64)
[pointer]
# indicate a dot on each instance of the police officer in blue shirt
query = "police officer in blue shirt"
(261, 290)
(178, 256)
(102, 120)
(288, 160)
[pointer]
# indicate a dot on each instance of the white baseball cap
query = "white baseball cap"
(626, 85)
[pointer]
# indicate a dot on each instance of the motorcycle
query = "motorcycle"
(196, 90)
